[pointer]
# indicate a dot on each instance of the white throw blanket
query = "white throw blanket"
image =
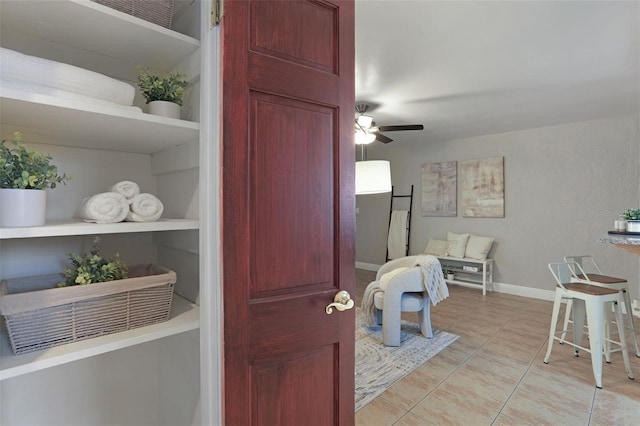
(397, 240)
(106, 207)
(127, 188)
(433, 278)
(145, 208)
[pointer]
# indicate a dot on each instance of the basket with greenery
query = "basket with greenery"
(93, 268)
(631, 214)
(23, 168)
(155, 88)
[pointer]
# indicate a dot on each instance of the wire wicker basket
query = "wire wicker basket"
(157, 11)
(38, 315)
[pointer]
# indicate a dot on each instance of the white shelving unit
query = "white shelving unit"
(92, 36)
(46, 120)
(77, 227)
(481, 278)
(184, 317)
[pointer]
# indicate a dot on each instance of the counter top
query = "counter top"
(630, 243)
(633, 240)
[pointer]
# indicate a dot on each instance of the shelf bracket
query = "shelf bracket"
(217, 11)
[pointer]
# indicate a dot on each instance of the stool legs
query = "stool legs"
(627, 305)
(554, 322)
(599, 339)
(595, 312)
(625, 354)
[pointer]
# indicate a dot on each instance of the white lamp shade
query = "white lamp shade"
(373, 177)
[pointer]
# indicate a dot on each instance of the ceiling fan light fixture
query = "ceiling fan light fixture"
(364, 138)
(365, 121)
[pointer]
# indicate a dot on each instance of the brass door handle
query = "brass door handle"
(341, 302)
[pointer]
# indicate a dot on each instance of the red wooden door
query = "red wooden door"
(288, 211)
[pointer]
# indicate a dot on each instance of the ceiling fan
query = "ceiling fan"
(367, 131)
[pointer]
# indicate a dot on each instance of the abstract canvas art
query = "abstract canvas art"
(482, 187)
(439, 189)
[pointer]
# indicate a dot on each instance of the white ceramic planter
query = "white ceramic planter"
(165, 109)
(633, 226)
(22, 207)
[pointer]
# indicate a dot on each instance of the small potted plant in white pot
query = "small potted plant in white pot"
(163, 94)
(632, 216)
(449, 275)
(24, 176)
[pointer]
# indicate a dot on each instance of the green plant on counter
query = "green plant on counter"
(23, 168)
(156, 88)
(93, 268)
(631, 214)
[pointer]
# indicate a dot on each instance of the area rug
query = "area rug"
(378, 367)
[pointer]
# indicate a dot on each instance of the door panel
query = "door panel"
(290, 382)
(292, 194)
(313, 23)
(288, 211)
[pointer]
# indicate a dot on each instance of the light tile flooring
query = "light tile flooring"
(494, 374)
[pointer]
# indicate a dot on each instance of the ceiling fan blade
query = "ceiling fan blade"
(403, 127)
(383, 138)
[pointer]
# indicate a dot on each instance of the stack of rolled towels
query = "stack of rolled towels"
(123, 202)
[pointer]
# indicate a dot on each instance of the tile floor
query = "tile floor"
(494, 374)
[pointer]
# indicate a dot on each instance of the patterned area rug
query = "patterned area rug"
(378, 367)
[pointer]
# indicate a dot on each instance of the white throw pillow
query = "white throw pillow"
(478, 247)
(384, 279)
(457, 244)
(437, 247)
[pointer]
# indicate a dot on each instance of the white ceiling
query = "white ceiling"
(468, 68)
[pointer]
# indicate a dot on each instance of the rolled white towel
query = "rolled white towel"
(106, 207)
(145, 208)
(127, 188)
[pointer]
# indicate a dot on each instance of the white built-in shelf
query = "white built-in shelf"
(77, 227)
(45, 119)
(108, 37)
(185, 316)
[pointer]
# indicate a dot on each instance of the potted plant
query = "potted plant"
(449, 274)
(163, 94)
(24, 175)
(632, 216)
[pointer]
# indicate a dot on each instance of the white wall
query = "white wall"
(563, 185)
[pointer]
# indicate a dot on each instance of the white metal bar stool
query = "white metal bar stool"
(590, 300)
(592, 274)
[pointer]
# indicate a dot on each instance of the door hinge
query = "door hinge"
(217, 10)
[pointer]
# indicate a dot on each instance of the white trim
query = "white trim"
(518, 290)
(211, 314)
(368, 266)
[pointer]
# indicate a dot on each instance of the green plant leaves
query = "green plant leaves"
(23, 168)
(156, 88)
(631, 214)
(93, 268)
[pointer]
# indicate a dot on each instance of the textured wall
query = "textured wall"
(562, 187)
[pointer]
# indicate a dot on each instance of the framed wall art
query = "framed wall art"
(482, 187)
(439, 192)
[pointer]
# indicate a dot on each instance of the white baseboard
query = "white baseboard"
(518, 290)
(367, 266)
